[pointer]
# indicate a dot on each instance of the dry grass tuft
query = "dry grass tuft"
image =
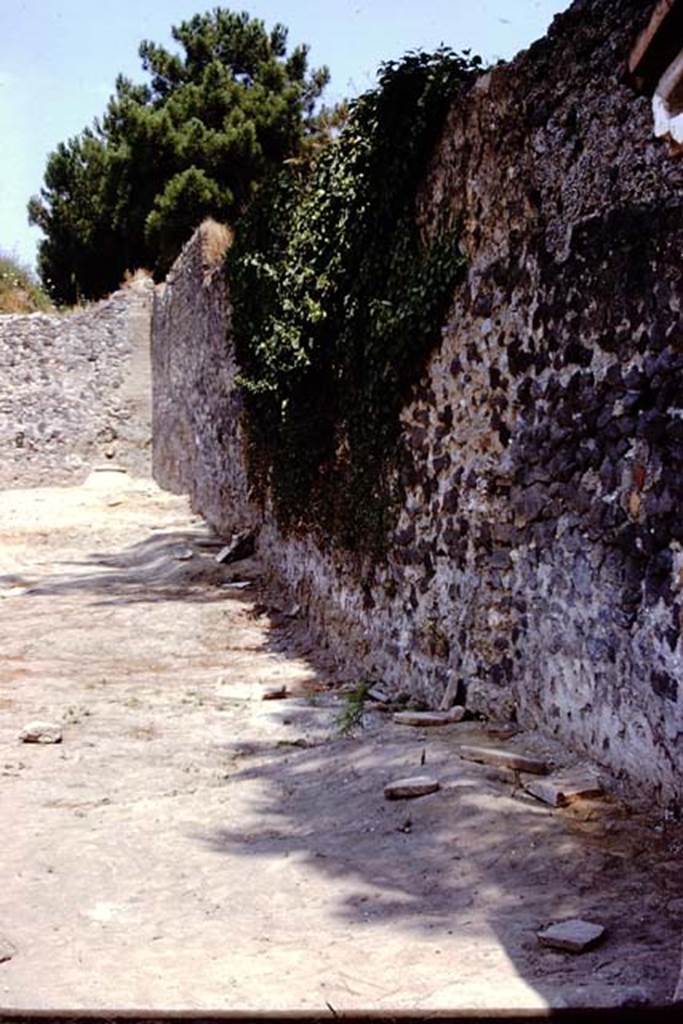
(215, 241)
(134, 278)
(19, 289)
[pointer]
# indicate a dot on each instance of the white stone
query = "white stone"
(406, 789)
(41, 732)
(573, 936)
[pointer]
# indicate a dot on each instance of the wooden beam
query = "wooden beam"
(657, 45)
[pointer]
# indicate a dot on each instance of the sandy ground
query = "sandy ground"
(190, 846)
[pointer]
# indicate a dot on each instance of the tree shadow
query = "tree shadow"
(476, 863)
(167, 566)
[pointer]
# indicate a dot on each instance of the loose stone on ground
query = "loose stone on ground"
(41, 732)
(575, 936)
(504, 759)
(406, 789)
(184, 554)
(558, 792)
(427, 719)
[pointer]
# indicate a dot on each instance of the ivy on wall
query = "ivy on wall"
(337, 303)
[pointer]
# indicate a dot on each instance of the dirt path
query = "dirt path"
(189, 845)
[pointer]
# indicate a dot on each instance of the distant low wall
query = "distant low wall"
(75, 391)
(537, 565)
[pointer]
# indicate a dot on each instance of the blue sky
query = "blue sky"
(59, 59)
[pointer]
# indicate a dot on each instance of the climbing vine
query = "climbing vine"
(337, 302)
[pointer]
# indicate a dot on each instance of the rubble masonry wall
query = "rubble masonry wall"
(75, 391)
(538, 559)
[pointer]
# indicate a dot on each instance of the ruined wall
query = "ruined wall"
(198, 446)
(75, 391)
(538, 560)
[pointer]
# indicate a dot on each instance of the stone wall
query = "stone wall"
(75, 391)
(198, 441)
(537, 566)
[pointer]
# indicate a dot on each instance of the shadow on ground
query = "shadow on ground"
(165, 566)
(475, 866)
(469, 863)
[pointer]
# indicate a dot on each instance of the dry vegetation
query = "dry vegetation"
(19, 289)
(133, 278)
(216, 239)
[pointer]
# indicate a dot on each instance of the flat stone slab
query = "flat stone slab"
(422, 719)
(574, 936)
(504, 759)
(406, 789)
(41, 732)
(558, 792)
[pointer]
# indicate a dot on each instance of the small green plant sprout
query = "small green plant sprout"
(351, 713)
